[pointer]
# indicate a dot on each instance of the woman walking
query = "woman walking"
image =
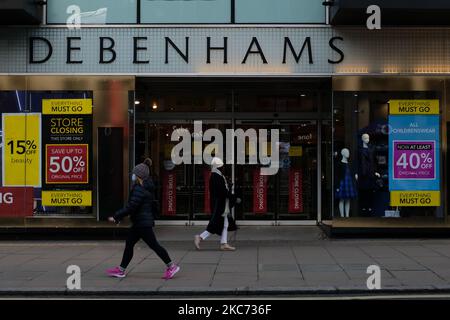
(221, 202)
(139, 208)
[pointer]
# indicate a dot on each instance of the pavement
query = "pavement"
(268, 261)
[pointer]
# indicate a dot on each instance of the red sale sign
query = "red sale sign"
(259, 192)
(169, 196)
(16, 202)
(295, 191)
(66, 164)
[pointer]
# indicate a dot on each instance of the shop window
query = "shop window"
(387, 154)
(193, 11)
(16, 200)
(280, 11)
(46, 153)
(91, 11)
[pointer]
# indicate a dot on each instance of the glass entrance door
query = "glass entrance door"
(182, 190)
(291, 193)
(173, 182)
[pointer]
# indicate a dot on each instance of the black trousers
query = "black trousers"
(366, 200)
(148, 236)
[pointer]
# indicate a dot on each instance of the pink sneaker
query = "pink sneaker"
(116, 272)
(170, 272)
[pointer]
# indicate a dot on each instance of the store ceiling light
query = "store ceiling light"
(155, 106)
(137, 102)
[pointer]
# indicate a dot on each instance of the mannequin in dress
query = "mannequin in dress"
(346, 190)
(366, 175)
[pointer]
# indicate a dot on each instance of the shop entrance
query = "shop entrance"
(297, 110)
(291, 193)
(182, 190)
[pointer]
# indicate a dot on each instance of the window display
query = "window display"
(345, 182)
(366, 174)
(395, 170)
(46, 152)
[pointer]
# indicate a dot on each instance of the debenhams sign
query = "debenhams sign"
(183, 50)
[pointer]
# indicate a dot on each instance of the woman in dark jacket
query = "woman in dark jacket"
(139, 208)
(221, 202)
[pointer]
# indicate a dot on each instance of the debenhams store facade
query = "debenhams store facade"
(362, 120)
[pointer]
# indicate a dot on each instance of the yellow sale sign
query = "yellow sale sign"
(295, 151)
(415, 198)
(412, 107)
(67, 198)
(21, 150)
(67, 106)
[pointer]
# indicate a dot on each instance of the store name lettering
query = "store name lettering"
(107, 53)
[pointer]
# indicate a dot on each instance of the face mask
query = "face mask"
(133, 178)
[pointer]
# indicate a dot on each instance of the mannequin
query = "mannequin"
(346, 190)
(366, 175)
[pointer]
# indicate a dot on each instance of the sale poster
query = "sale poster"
(66, 164)
(414, 160)
(16, 202)
(259, 192)
(414, 144)
(295, 191)
(169, 193)
(67, 198)
(67, 151)
(21, 165)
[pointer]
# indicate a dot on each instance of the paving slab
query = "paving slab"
(362, 274)
(327, 276)
(417, 277)
(381, 251)
(236, 268)
(416, 251)
(397, 264)
(283, 282)
(280, 268)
